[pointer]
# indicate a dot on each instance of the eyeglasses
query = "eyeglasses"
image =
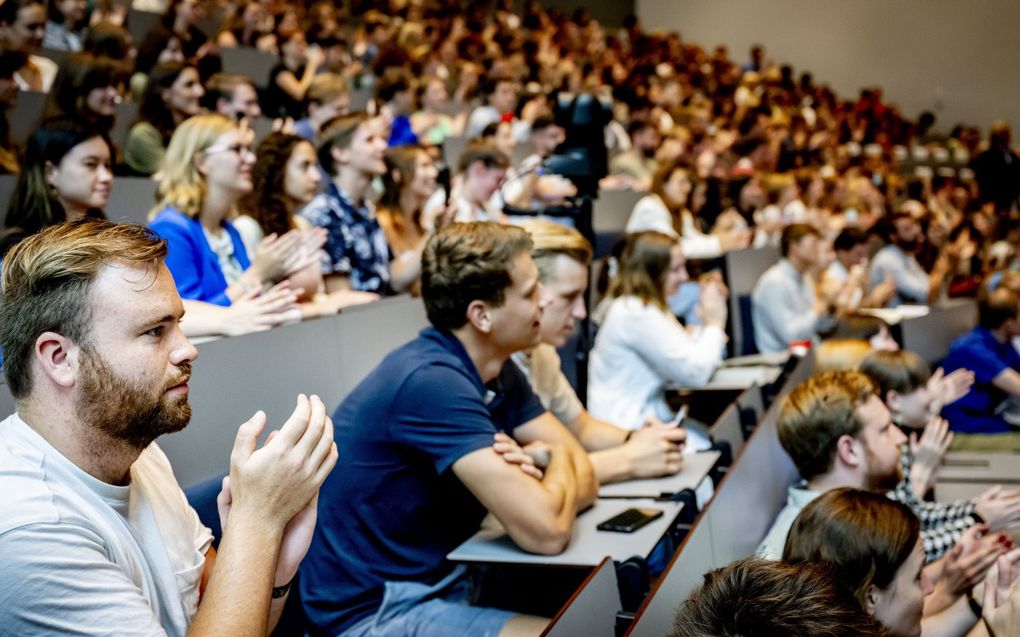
(240, 150)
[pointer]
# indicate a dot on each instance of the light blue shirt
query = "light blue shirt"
(911, 279)
(783, 308)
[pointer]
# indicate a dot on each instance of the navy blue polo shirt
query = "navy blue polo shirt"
(982, 353)
(392, 508)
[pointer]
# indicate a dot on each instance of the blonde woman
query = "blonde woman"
(208, 168)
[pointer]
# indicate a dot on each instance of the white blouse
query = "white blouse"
(640, 349)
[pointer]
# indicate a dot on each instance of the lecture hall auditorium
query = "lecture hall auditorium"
(379, 318)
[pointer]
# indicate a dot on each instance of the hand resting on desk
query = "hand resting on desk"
(655, 450)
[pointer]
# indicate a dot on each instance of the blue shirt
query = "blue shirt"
(356, 245)
(192, 262)
(393, 508)
(982, 353)
(304, 128)
(401, 133)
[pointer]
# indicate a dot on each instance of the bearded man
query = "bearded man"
(96, 536)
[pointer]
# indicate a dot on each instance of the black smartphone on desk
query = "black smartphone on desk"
(630, 520)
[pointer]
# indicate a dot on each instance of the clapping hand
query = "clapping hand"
(927, 453)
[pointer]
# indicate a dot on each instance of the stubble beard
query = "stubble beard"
(125, 410)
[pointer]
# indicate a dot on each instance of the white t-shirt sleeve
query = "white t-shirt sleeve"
(57, 579)
(171, 526)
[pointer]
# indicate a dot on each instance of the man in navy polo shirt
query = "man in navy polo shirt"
(421, 467)
(987, 350)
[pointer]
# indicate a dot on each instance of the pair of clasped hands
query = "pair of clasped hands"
(655, 450)
(277, 484)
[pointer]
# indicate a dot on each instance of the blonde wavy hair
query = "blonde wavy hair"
(183, 186)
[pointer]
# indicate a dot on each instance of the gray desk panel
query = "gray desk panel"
(131, 200)
(743, 267)
(7, 183)
(952, 491)
(970, 466)
(696, 468)
(26, 115)
(139, 23)
(931, 335)
(686, 573)
(367, 333)
(591, 612)
(731, 525)
(805, 369)
(234, 377)
(588, 545)
(612, 209)
(125, 115)
(360, 97)
(751, 495)
(751, 399)
(453, 148)
(727, 428)
(249, 62)
(738, 378)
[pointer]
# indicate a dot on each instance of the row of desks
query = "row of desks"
(728, 527)
(754, 490)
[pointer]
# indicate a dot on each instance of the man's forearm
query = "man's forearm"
(611, 465)
(1008, 380)
(406, 269)
(560, 484)
(237, 600)
(276, 611)
(584, 475)
(597, 435)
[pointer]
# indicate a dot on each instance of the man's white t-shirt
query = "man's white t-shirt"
(80, 556)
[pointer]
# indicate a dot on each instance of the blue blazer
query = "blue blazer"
(191, 261)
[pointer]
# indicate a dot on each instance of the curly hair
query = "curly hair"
(268, 203)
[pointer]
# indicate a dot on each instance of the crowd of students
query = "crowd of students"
(474, 417)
